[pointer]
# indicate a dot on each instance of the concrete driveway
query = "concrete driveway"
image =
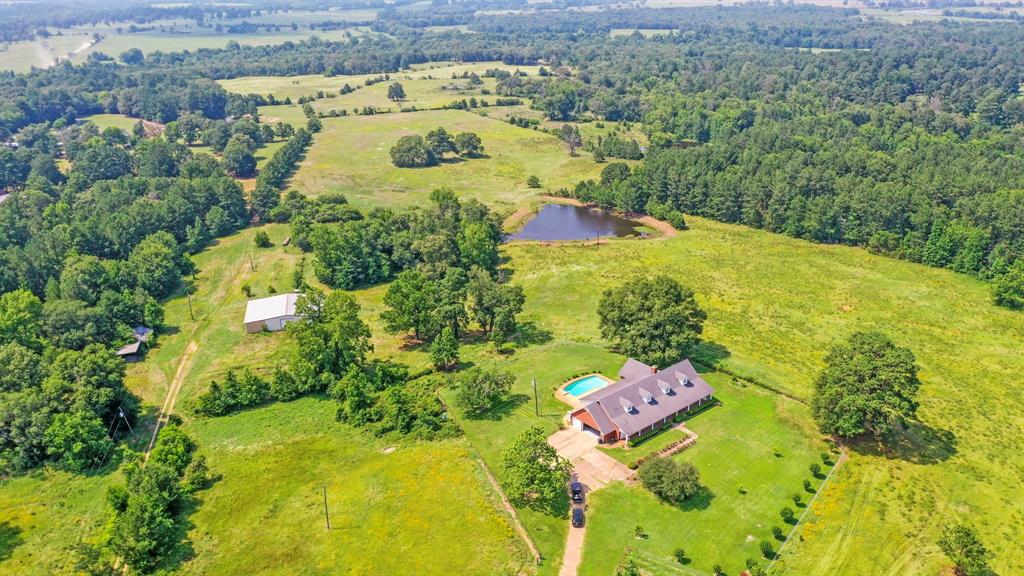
(593, 468)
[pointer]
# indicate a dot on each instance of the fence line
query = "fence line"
(516, 520)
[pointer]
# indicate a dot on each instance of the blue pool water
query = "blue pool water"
(585, 385)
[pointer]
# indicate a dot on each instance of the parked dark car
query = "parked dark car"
(577, 492)
(577, 517)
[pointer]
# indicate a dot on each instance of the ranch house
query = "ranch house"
(644, 399)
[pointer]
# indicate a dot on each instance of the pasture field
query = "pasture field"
(775, 305)
(588, 128)
(77, 42)
(392, 512)
(351, 156)
(218, 306)
(43, 516)
(21, 56)
(422, 83)
(104, 121)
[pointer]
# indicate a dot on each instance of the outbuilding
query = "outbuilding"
(271, 313)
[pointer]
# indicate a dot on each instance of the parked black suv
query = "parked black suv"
(577, 492)
(577, 517)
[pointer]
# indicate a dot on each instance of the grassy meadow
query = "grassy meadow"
(427, 85)
(351, 156)
(76, 43)
(393, 509)
(773, 317)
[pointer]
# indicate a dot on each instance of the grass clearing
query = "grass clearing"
(773, 317)
(351, 156)
(43, 515)
(391, 513)
(420, 77)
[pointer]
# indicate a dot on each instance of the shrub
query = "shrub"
(533, 182)
(262, 239)
(670, 480)
(787, 514)
(815, 469)
(767, 550)
(639, 531)
(680, 555)
(797, 500)
(777, 533)
(807, 486)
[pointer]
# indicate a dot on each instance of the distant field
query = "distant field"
(422, 84)
(647, 32)
(351, 156)
(76, 43)
(104, 121)
(23, 55)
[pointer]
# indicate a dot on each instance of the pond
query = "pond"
(564, 222)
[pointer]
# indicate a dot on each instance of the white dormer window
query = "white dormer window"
(683, 379)
(647, 396)
(626, 405)
(665, 387)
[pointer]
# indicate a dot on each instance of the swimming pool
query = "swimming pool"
(585, 385)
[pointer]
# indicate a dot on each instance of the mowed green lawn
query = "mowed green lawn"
(747, 484)
(351, 156)
(419, 509)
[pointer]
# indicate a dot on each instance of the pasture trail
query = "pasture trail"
(172, 394)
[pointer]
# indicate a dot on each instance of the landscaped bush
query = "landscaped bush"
(670, 480)
(767, 550)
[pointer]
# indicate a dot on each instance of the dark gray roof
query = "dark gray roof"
(635, 369)
(635, 403)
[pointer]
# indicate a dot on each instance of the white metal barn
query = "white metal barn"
(271, 313)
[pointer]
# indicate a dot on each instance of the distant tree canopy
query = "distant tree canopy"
(416, 152)
(396, 92)
(655, 320)
(869, 384)
(412, 152)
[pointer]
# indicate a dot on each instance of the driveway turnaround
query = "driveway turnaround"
(593, 467)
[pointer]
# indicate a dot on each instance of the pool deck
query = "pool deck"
(575, 401)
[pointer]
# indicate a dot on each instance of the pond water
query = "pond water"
(564, 222)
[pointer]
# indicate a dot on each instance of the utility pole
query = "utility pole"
(327, 515)
(188, 293)
(536, 402)
(120, 412)
(252, 267)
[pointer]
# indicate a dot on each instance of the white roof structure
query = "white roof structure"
(277, 306)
